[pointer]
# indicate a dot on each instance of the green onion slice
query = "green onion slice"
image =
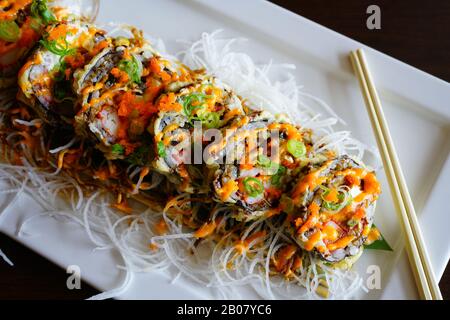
(296, 148)
(265, 162)
(9, 31)
(334, 206)
(253, 186)
(189, 108)
(161, 149)
(117, 149)
(132, 68)
(276, 179)
(40, 10)
(57, 48)
(211, 120)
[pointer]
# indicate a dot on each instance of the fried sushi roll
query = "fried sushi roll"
(45, 80)
(331, 208)
(257, 157)
(116, 93)
(211, 104)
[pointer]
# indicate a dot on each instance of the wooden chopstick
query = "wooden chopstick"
(417, 253)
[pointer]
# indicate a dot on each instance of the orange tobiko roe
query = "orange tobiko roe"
(130, 105)
(130, 102)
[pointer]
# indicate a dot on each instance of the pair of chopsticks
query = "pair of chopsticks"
(417, 253)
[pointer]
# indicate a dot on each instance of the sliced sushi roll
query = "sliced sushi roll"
(22, 23)
(116, 93)
(331, 208)
(209, 103)
(257, 157)
(45, 80)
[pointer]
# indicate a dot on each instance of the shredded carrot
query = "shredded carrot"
(284, 255)
(243, 245)
(61, 158)
(102, 174)
(161, 227)
(228, 189)
(205, 230)
(123, 206)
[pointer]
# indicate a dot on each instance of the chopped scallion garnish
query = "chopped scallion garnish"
(40, 10)
(193, 102)
(161, 149)
(296, 148)
(276, 179)
(253, 186)
(210, 120)
(55, 47)
(9, 31)
(131, 67)
(117, 149)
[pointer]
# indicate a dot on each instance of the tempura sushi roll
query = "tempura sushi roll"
(331, 207)
(45, 80)
(116, 93)
(208, 102)
(258, 155)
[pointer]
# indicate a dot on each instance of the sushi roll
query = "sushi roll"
(209, 103)
(331, 208)
(45, 80)
(256, 163)
(116, 93)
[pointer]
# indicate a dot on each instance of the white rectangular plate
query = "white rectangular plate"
(416, 105)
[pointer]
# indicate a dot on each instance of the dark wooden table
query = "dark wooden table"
(415, 31)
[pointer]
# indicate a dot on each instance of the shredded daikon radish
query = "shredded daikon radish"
(4, 257)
